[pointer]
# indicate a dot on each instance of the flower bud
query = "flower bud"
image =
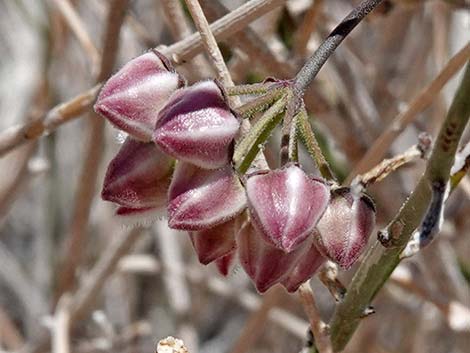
(345, 227)
(285, 205)
(131, 98)
(305, 268)
(216, 242)
(138, 177)
(265, 264)
(202, 198)
(197, 126)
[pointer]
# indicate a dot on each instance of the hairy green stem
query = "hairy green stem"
(250, 145)
(248, 110)
(309, 140)
(313, 65)
(240, 90)
(379, 262)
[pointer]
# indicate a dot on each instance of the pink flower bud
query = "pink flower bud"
(202, 198)
(345, 227)
(197, 126)
(225, 263)
(138, 177)
(285, 205)
(265, 264)
(305, 268)
(131, 98)
(211, 244)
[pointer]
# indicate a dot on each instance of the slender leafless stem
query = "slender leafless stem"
(180, 28)
(179, 52)
(313, 65)
(456, 313)
(20, 134)
(91, 285)
(306, 28)
(94, 147)
(318, 327)
(10, 336)
(61, 326)
(388, 166)
(255, 323)
(380, 147)
(73, 20)
(146, 264)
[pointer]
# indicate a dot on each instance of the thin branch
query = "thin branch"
(176, 286)
(387, 166)
(318, 327)
(320, 56)
(223, 28)
(453, 311)
(94, 146)
(380, 262)
(72, 19)
(255, 324)
(220, 287)
(180, 28)
(20, 134)
(212, 49)
(426, 97)
(10, 336)
(61, 327)
(91, 285)
(179, 52)
(306, 28)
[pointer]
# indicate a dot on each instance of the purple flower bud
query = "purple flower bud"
(202, 198)
(285, 205)
(216, 242)
(138, 177)
(131, 98)
(225, 263)
(265, 264)
(345, 227)
(306, 267)
(197, 126)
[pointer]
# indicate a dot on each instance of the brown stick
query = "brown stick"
(94, 146)
(318, 327)
(421, 102)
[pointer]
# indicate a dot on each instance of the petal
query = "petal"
(216, 242)
(197, 126)
(138, 176)
(202, 198)
(285, 205)
(304, 269)
(225, 263)
(265, 264)
(131, 98)
(345, 228)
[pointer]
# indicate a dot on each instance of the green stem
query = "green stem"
(259, 104)
(249, 146)
(309, 140)
(379, 262)
(241, 90)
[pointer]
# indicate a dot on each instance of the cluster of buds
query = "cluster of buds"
(178, 161)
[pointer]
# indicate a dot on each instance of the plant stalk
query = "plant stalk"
(379, 262)
(313, 65)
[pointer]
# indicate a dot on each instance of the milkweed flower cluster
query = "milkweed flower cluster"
(177, 160)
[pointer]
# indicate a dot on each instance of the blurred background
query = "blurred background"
(66, 262)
